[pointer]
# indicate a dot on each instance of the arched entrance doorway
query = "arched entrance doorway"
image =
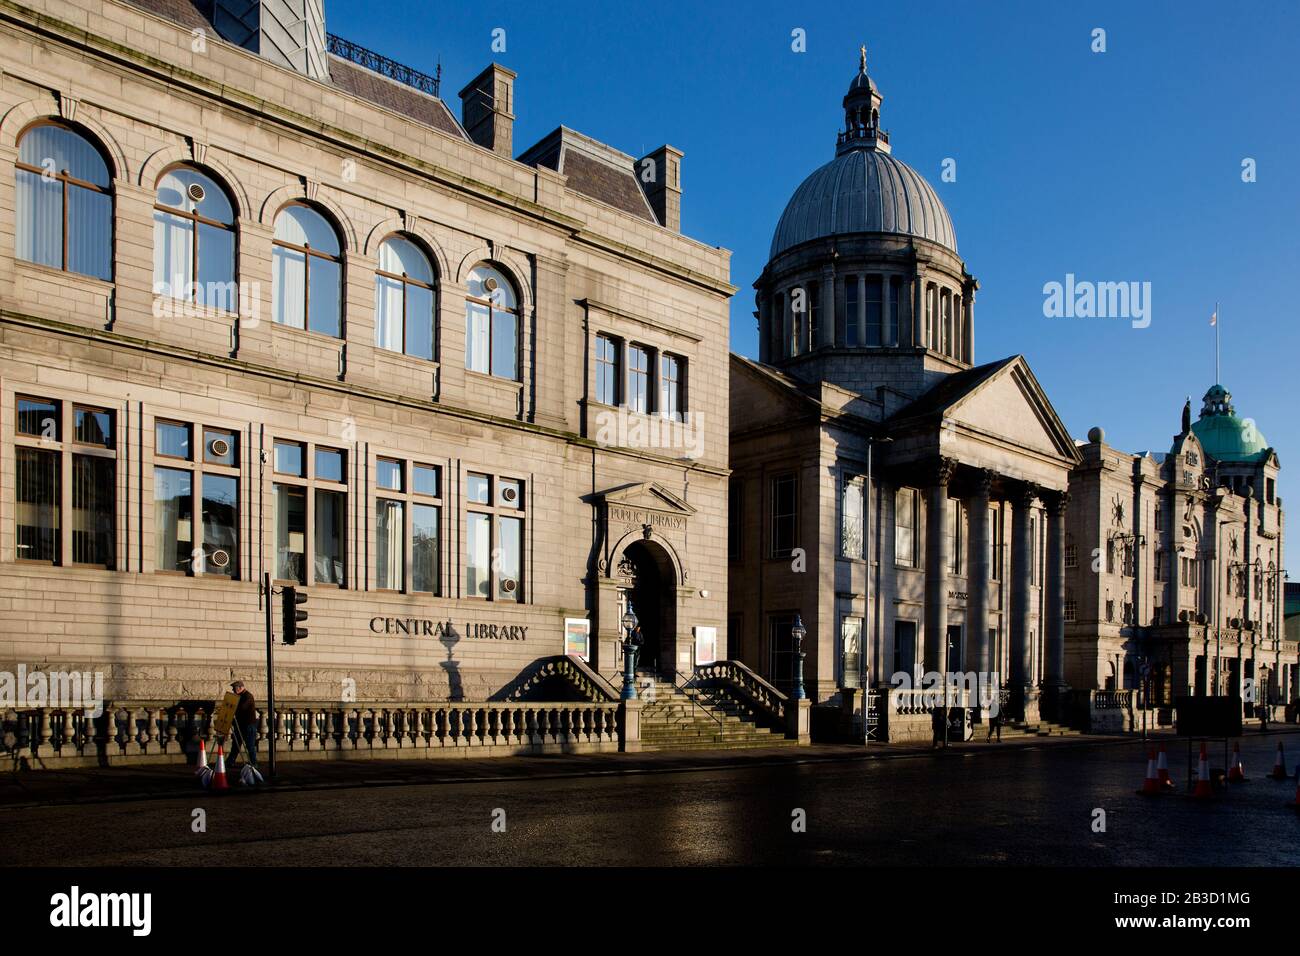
(646, 579)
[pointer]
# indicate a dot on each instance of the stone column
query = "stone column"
(918, 307)
(1021, 555)
(977, 606)
(1054, 638)
(937, 560)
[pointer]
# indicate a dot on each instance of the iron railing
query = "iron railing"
(382, 65)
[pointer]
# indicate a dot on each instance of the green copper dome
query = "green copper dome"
(1222, 434)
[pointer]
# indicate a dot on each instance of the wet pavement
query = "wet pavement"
(1027, 804)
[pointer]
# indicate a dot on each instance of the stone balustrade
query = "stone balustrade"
(156, 731)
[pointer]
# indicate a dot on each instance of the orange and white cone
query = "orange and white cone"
(203, 771)
(1162, 769)
(1236, 773)
(1203, 786)
(219, 781)
(1279, 765)
(1151, 785)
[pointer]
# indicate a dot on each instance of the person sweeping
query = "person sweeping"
(245, 724)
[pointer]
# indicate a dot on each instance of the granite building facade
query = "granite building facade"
(268, 306)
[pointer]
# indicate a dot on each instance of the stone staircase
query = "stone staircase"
(1039, 728)
(696, 719)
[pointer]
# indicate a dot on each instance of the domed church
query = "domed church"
(905, 502)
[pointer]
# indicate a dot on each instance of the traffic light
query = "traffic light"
(293, 616)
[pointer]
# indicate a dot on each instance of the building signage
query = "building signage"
(577, 637)
(621, 514)
(446, 630)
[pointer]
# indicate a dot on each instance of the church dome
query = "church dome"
(864, 188)
(1223, 435)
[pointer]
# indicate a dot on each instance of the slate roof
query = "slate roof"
(349, 77)
(950, 390)
(593, 169)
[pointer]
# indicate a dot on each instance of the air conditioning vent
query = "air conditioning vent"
(195, 192)
(1183, 616)
(508, 585)
(219, 447)
(509, 494)
(1202, 619)
(1234, 622)
(490, 283)
(220, 558)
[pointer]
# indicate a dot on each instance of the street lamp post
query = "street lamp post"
(798, 632)
(629, 654)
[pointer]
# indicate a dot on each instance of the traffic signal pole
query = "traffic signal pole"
(270, 677)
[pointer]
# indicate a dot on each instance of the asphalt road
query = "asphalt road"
(1023, 806)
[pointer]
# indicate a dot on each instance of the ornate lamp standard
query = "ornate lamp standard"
(629, 654)
(798, 632)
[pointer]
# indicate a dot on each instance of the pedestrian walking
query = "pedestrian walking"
(995, 724)
(939, 724)
(245, 724)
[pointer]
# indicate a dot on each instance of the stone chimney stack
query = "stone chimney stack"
(660, 173)
(485, 109)
(288, 32)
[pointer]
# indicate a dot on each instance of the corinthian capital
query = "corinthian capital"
(1056, 502)
(1026, 493)
(944, 468)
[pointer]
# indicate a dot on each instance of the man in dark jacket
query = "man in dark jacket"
(245, 723)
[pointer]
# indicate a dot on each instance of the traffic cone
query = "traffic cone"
(1279, 765)
(1203, 786)
(1162, 769)
(1151, 785)
(1236, 773)
(203, 771)
(219, 781)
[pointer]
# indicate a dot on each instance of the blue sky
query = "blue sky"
(1117, 166)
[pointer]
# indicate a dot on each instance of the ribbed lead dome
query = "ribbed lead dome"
(864, 190)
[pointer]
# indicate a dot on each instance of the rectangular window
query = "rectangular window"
(173, 496)
(494, 533)
(38, 504)
(638, 379)
(330, 522)
(477, 337)
(389, 475)
(995, 544)
(956, 540)
(426, 568)
(851, 516)
(330, 464)
(895, 294)
(291, 533)
(905, 527)
(780, 643)
(424, 480)
(852, 334)
(776, 322)
(875, 310)
(1160, 518)
(815, 330)
(670, 386)
(290, 458)
(390, 544)
(735, 514)
(1033, 551)
(784, 504)
(851, 652)
(905, 648)
(47, 467)
(478, 549)
(606, 370)
(196, 500)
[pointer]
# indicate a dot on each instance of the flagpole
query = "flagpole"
(1216, 344)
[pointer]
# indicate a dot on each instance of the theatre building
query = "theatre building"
(268, 306)
(905, 500)
(1174, 566)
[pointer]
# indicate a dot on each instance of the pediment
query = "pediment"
(647, 495)
(1005, 406)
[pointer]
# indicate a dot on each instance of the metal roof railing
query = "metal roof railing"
(382, 65)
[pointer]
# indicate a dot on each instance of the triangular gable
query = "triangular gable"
(1003, 400)
(760, 394)
(648, 494)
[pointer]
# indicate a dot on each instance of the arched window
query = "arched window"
(65, 202)
(491, 324)
(404, 299)
(194, 240)
(306, 286)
